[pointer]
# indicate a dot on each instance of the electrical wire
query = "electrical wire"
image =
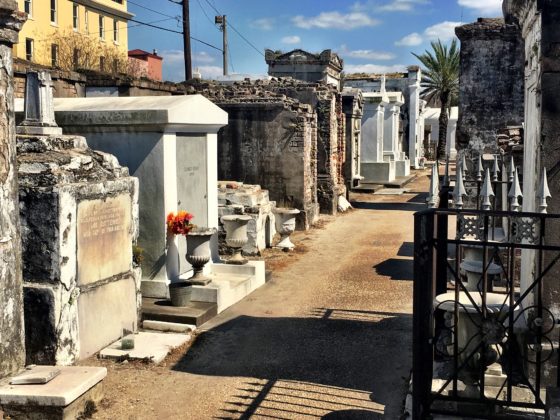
(235, 29)
(179, 18)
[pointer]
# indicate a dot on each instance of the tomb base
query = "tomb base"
(402, 168)
(73, 394)
(378, 172)
(231, 283)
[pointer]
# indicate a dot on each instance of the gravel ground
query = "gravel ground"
(329, 337)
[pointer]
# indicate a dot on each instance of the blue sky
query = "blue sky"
(370, 35)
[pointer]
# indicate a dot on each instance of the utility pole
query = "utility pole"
(222, 21)
(187, 40)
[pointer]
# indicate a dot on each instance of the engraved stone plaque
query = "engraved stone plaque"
(104, 238)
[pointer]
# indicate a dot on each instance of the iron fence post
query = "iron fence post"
(422, 355)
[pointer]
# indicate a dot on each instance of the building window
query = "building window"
(115, 65)
(76, 58)
(54, 55)
(101, 27)
(75, 17)
(115, 31)
(28, 7)
(101, 63)
(28, 49)
(86, 22)
(53, 11)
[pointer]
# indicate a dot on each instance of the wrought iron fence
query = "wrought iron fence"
(485, 328)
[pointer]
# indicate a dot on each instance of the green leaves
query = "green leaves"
(440, 79)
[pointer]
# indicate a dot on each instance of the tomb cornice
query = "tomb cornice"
(11, 22)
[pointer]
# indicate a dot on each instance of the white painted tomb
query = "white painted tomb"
(431, 119)
(373, 167)
(416, 119)
(170, 145)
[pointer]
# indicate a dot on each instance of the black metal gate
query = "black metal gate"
(486, 305)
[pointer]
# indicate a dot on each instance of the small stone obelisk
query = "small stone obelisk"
(39, 106)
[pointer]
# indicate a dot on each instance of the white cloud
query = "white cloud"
(210, 72)
(265, 24)
(486, 7)
(445, 31)
(410, 40)
(174, 65)
(366, 54)
(335, 20)
(401, 5)
(374, 68)
(294, 39)
(388, 6)
(203, 57)
(172, 56)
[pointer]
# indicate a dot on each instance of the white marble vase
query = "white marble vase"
(285, 226)
(198, 253)
(236, 235)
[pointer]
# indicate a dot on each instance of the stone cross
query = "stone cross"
(39, 106)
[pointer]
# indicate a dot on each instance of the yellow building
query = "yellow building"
(73, 34)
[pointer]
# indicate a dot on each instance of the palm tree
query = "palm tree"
(440, 81)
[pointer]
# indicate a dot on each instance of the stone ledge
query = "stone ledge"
(64, 389)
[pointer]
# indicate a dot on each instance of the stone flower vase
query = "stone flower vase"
(180, 293)
(198, 253)
(236, 235)
(285, 226)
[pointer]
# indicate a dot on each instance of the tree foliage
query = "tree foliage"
(78, 51)
(440, 81)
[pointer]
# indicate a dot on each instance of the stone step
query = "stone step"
(196, 313)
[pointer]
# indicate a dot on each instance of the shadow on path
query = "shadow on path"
(404, 206)
(396, 269)
(334, 361)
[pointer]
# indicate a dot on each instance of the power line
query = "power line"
(245, 39)
(235, 29)
(204, 11)
(178, 18)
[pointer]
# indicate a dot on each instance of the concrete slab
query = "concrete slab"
(36, 375)
(71, 383)
(147, 346)
(196, 313)
(168, 326)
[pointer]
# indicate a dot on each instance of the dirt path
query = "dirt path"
(329, 337)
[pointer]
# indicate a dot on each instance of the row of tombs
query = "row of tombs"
(81, 211)
(124, 164)
(98, 255)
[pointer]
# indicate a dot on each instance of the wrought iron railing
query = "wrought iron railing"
(485, 329)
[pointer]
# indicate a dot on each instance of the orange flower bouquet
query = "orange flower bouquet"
(180, 223)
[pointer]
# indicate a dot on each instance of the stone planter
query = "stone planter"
(473, 331)
(236, 235)
(198, 253)
(180, 293)
(285, 226)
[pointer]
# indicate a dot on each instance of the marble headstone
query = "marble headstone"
(39, 106)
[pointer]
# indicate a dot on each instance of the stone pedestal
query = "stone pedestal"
(78, 210)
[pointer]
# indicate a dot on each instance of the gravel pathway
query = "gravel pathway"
(329, 337)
